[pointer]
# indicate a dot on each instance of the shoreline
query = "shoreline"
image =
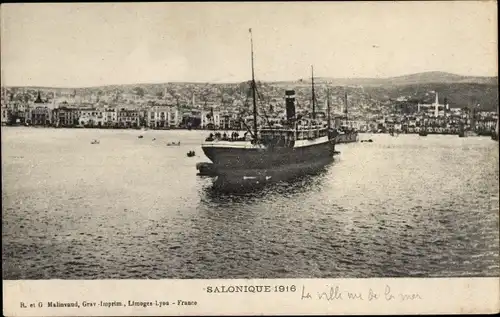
(114, 128)
(209, 130)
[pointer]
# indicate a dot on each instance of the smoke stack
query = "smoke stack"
(290, 104)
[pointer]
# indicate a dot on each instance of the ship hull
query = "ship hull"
(234, 158)
(244, 179)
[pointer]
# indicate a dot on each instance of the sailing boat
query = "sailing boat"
(346, 134)
(295, 146)
(494, 135)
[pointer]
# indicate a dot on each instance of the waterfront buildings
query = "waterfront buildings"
(40, 116)
(6, 114)
(41, 113)
(127, 118)
(162, 117)
(110, 117)
(90, 117)
(115, 109)
(64, 117)
(210, 119)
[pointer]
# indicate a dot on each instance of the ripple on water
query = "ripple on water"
(387, 209)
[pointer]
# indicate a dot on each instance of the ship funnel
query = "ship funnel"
(290, 104)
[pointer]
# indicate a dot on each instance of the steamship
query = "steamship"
(293, 146)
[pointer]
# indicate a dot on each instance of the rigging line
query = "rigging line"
(261, 99)
(253, 88)
(266, 117)
(248, 128)
(245, 112)
(262, 108)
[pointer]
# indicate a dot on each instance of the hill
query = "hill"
(412, 79)
(458, 95)
(460, 91)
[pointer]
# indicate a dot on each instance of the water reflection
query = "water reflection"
(234, 185)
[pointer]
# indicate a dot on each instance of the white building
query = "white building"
(159, 117)
(91, 117)
(173, 117)
(208, 117)
(110, 116)
(5, 114)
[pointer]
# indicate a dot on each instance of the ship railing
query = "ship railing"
(227, 139)
(311, 128)
(233, 137)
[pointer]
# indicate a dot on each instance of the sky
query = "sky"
(81, 45)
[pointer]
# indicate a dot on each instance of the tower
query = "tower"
(38, 98)
(290, 104)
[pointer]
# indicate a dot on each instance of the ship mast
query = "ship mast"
(253, 90)
(328, 108)
(345, 110)
(313, 96)
(498, 120)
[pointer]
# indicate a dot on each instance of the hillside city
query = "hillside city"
(229, 107)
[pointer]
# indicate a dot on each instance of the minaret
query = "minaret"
(313, 95)
(38, 98)
(345, 109)
(436, 106)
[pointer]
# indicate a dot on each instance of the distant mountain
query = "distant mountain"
(443, 78)
(440, 78)
(458, 95)
(412, 79)
(460, 91)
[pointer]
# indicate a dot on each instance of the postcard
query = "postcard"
(253, 158)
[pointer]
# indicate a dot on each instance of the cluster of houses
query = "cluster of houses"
(452, 124)
(434, 117)
(154, 114)
(43, 113)
(440, 119)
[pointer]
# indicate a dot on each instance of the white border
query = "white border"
(423, 296)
